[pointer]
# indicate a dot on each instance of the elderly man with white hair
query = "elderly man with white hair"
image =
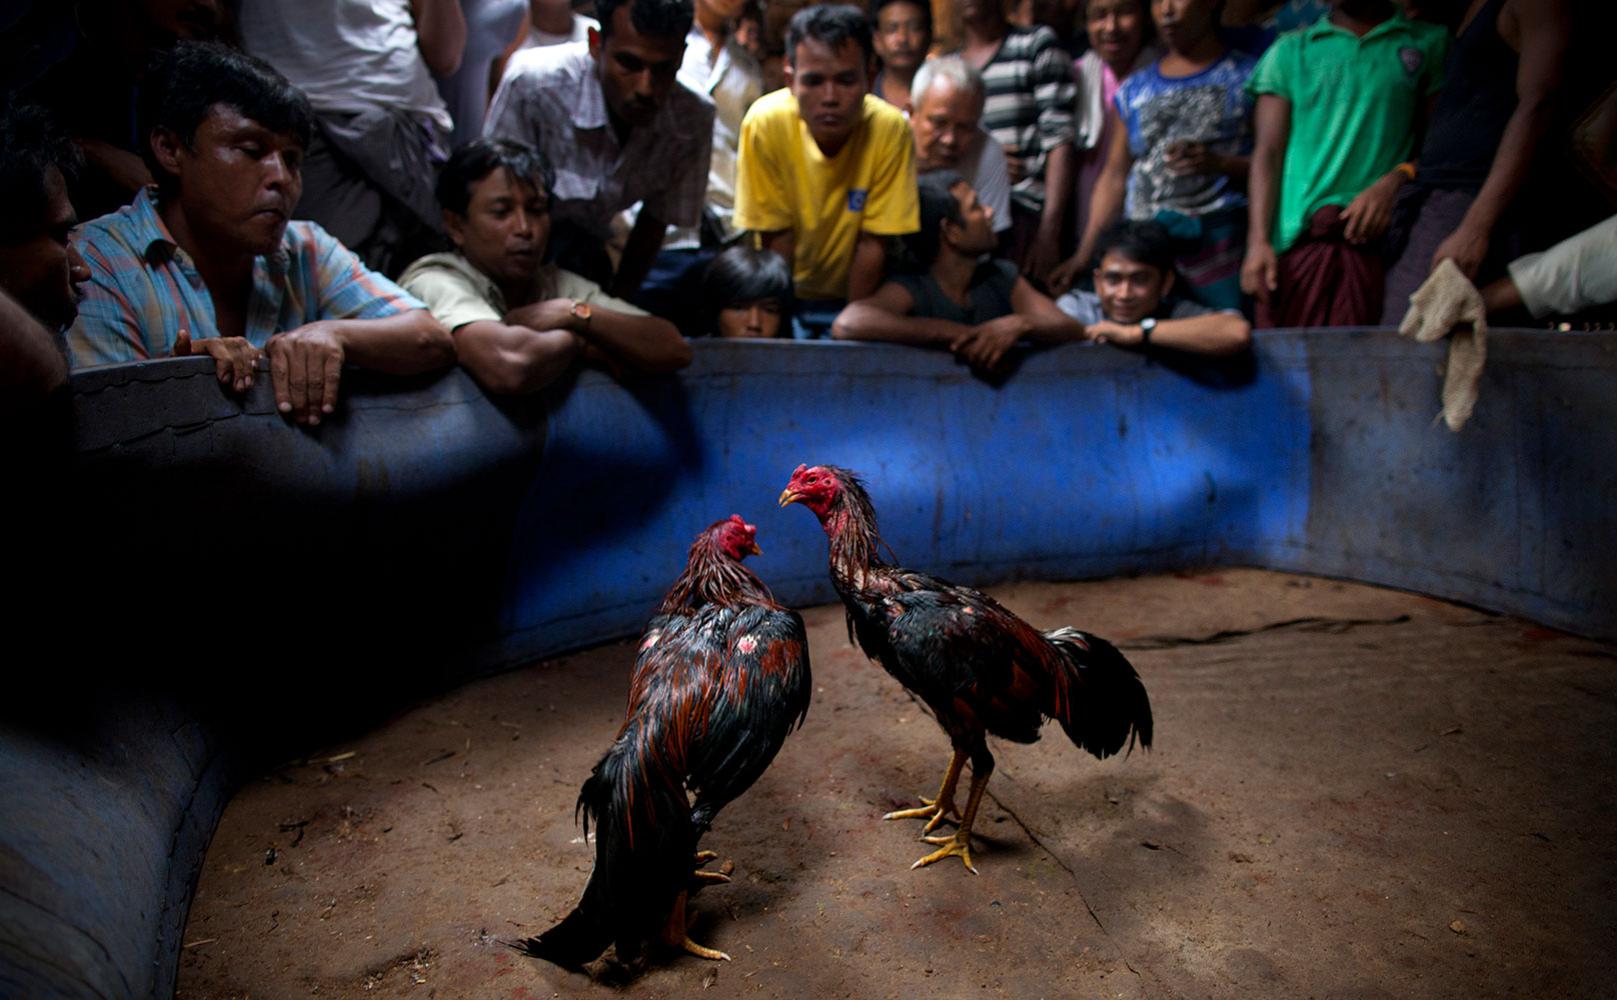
(946, 116)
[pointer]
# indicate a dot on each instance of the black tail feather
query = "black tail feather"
(1107, 708)
(580, 938)
(644, 841)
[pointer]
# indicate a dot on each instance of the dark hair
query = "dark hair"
(829, 24)
(1144, 5)
(657, 18)
(743, 274)
(1145, 243)
(185, 83)
(938, 205)
(877, 6)
(475, 160)
(30, 145)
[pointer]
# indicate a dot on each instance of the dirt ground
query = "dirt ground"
(1354, 793)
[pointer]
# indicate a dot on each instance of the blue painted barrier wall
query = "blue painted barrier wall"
(427, 534)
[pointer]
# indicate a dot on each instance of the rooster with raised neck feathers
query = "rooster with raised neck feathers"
(978, 667)
(721, 678)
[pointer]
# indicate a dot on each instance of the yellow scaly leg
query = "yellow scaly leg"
(935, 811)
(959, 845)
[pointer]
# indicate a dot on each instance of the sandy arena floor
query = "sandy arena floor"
(1354, 793)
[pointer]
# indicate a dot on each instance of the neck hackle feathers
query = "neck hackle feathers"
(714, 574)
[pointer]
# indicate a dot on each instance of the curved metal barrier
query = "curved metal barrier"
(228, 583)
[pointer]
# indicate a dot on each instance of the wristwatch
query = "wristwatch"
(581, 313)
(1146, 326)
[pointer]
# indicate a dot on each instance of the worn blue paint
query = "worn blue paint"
(1087, 462)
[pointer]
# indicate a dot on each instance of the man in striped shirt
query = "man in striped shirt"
(1031, 95)
(205, 262)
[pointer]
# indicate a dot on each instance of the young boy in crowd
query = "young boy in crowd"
(1130, 306)
(518, 322)
(1181, 146)
(826, 171)
(747, 294)
(1340, 107)
(977, 309)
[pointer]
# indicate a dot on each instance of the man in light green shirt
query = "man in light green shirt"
(1340, 109)
(518, 322)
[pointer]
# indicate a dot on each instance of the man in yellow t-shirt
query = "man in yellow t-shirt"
(826, 170)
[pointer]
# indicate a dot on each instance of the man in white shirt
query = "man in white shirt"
(367, 67)
(717, 66)
(619, 128)
(946, 117)
(1576, 274)
(555, 22)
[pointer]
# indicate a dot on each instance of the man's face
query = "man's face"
(505, 229)
(901, 36)
(945, 125)
(238, 182)
(830, 87)
(975, 235)
(1129, 290)
(42, 269)
(637, 71)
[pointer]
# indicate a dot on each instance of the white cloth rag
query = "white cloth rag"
(1449, 304)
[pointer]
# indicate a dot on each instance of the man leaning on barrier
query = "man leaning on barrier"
(206, 261)
(520, 323)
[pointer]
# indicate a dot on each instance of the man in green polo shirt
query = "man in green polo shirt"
(1340, 109)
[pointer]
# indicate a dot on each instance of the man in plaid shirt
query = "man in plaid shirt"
(206, 261)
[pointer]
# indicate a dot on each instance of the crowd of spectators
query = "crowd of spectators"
(528, 185)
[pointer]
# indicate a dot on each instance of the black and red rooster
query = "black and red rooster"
(722, 676)
(979, 668)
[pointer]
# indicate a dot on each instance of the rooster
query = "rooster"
(979, 668)
(721, 677)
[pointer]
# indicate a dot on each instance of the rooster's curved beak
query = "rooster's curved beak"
(754, 550)
(787, 496)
